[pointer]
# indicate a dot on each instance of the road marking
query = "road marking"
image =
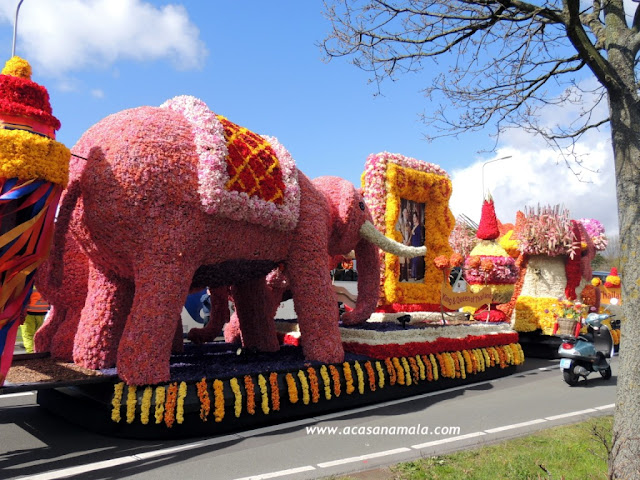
(570, 414)
(360, 458)
(280, 473)
(447, 440)
(19, 394)
(606, 407)
(516, 425)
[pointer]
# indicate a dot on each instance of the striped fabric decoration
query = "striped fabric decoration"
(27, 213)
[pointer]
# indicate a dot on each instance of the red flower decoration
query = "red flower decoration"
(441, 262)
(456, 260)
(488, 229)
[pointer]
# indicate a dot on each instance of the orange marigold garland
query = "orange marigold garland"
(468, 362)
(116, 401)
(335, 376)
(380, 374)
(359, 376)
(442, 365)
(170, 404)
(218, 400)
(304, 385)
(326, 382)
(203, 396)
(251, 395)
(275, 391)
(346, 368)
(313, 384)
(399, 370)
(415, 370)
(264, 394)
(391, 371)
(237, 395)
(371, 376)
(160, 397)
(428, 367)
(145, 405)
(291, 388)
(456, 364)
(463, 372)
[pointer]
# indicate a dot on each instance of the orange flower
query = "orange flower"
(170, 404)
(391, 371)
(486, 264)
(251, 394)
(415, 370)
(441, 262)
(474, 261)
(456, 260)
(275, 391)
(292, 388)
(335, 375)
(346, 369)
(203, 395)
(313, 383)
(370, 375)
(218, 400)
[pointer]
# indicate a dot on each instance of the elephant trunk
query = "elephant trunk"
(368, 262)
(372, 234)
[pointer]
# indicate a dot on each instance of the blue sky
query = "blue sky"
(258, 64)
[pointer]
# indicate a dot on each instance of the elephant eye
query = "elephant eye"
(361, 206)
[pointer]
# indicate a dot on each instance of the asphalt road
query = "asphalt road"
(37, 445)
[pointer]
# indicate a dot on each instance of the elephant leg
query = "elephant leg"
(218, 316)
(316, 306)
(102, 319)
(177, 345)
(145, 347)
(254, 310)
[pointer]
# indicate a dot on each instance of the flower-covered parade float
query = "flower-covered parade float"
(163, 201)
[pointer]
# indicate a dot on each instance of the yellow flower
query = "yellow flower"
(17, 67)
(160, 397)
(262, 384)
(406, 371)
(423, 374)
(304, 385)
(182, 394)
(360, 377)
(235, 388)
(434, 366)
(292, 388)
(116, 401)
(145, 406)
(26, 156)
(346, 368)
(399, 370)
(380, 374)
(326, 382)
(132, 401)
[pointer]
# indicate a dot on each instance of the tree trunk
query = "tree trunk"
(625, 128)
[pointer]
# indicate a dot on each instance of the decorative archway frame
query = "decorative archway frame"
(387, 180)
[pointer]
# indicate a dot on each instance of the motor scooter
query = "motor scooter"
(582, 354)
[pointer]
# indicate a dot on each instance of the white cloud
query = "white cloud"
(540, 177)
(58, 36)
(97, 93)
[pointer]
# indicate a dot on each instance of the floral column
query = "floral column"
(34, 169)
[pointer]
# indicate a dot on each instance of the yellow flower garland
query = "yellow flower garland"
(434, 366)
(304, 385)
(26, 155)
(132, 400)
(182, 394)
(360, 377)
(422, 187)
(160, 397)
(326, 382)
(421, 367)
(203, 396)
(237, 395)
(380, 374)
(346, 368)
(262, 384)
(399, 370)
(116, 401)
(463, 370)
(145, 407)
(406, 370)
(218, 400)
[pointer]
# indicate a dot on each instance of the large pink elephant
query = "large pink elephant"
(155, 213)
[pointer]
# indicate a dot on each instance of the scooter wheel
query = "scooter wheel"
(570, 377)
(606, 374)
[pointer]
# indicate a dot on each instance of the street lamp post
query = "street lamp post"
(15, 30)
(485, 163)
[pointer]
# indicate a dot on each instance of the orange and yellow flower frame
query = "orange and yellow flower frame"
(387, 180)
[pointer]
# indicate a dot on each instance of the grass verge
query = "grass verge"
(573, 452)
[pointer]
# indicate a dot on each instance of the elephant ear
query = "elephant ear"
(347, 211)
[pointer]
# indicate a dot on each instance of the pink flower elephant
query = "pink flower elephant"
(169, 197)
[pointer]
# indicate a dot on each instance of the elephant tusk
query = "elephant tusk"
(369, 232)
